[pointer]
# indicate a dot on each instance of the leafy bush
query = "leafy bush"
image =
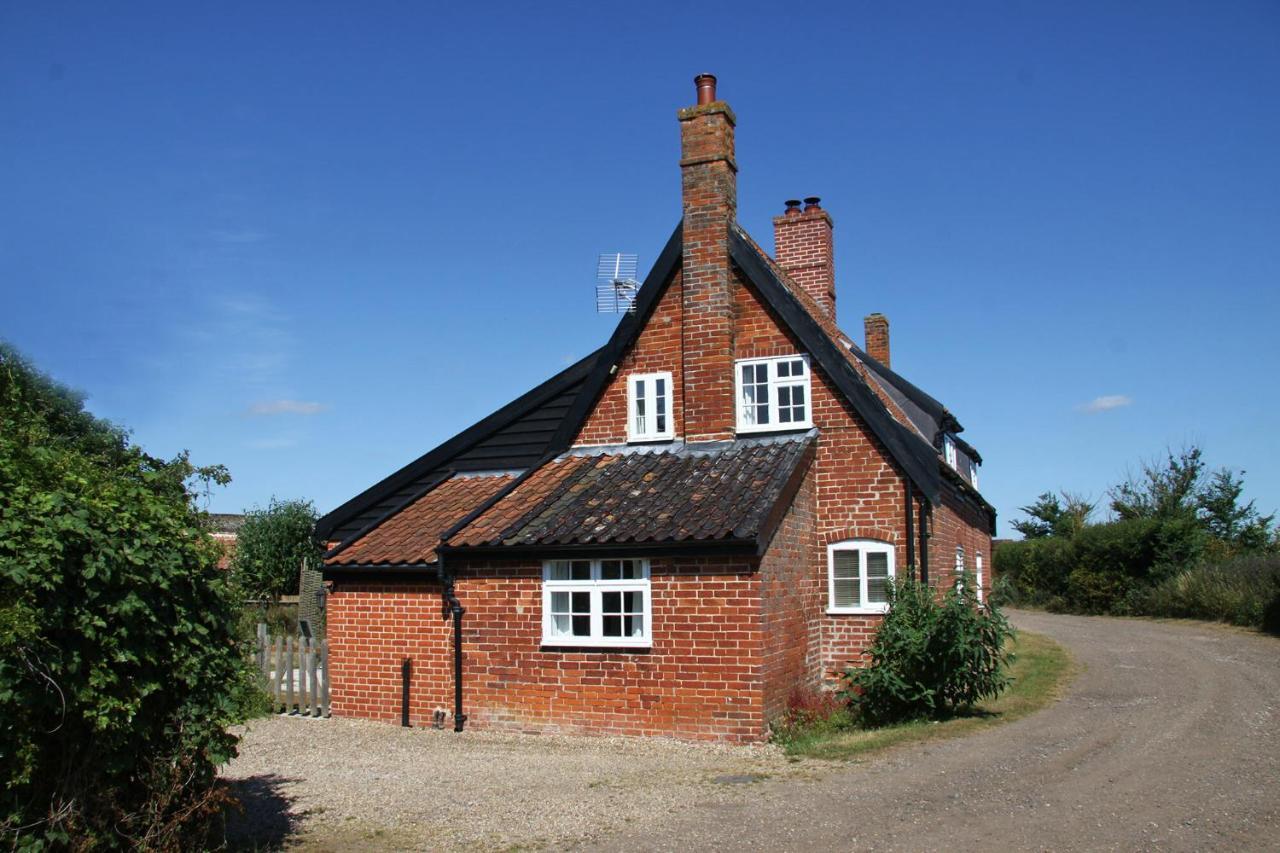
(119, 671)
(930, 657)
(1242, 591)
(273, 545)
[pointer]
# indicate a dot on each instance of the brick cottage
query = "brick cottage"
(678, 532)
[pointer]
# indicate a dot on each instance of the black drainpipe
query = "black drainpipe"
(911, 527)
(455, 611)
(924, 541)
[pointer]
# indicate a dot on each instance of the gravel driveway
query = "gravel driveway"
(1169, 740)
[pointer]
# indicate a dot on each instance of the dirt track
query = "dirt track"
(1169, 740)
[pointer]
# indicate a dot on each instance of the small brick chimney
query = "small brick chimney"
(709, 186)
(876, 327)
(803, 247)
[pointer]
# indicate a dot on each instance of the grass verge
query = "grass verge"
(1040, 672)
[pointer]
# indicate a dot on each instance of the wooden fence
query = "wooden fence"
(297, 673)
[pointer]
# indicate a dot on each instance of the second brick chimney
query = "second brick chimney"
(876, 327)
(709, 185)
(803, 247)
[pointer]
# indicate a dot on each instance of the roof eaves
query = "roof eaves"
(399, 507)
(929, 404)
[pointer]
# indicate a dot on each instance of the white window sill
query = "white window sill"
(774, 427)
(878, 610)
(642, 439)
(595, 643)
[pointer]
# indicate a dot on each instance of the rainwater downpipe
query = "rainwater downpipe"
(924, 540)
(911, 527)
(455, 611)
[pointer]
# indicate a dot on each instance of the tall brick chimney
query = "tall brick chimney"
(876, 327)
(709, 188)
(803, 247)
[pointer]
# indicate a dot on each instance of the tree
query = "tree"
(115, 631)
(272, 545)
(1163, 491)
(1226, 519)
(1048, 516)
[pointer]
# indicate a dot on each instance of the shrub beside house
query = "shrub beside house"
(676, 533)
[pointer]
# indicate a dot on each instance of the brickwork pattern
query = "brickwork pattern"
(804, 247)
(710, 199)
(702, 678)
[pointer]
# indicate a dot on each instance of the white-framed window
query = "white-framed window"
(977, 573)
(596, 603)
(973, 473)
(959, 571)
(949, 451)
(858, 573)
(649, 407)
(773, 393)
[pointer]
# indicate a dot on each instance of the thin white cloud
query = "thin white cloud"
(267, 408)
(1106, 403)
(272, 443)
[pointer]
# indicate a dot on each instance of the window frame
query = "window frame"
(863, 547)
(973, 474)
(949, 452)
(977, 573)
(670, 432)
(773, 383)
(597, 586)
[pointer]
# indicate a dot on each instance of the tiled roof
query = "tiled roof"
(722, 492)
(411, 535)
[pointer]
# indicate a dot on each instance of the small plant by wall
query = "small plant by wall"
(931, 657)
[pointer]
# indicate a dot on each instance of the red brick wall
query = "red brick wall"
(702, 678)
(656, 349)
(792, 604)
(371, 628)
(958, 521)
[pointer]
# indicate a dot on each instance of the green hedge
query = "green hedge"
(1102, 569)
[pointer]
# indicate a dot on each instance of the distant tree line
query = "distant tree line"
(1178, 540)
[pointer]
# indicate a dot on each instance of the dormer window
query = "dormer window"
(649, 407)
(949, 451)
(773, 393)
(973, 473)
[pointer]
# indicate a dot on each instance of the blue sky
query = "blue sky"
(312, 241)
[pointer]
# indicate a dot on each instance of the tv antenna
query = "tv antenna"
(616, 283)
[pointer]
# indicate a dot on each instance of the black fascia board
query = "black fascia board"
(920, 466)
(744, 547)
(399, 506)
(624, 335)
(461, 442)
(381, 571)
